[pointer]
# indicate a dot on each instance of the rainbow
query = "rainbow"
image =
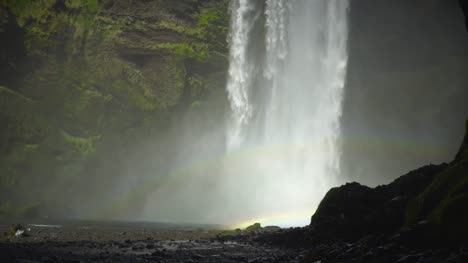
(364, 144)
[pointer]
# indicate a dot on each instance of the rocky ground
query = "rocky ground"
(404, 246)
(419, 217)
(135, 242)
(145, 242)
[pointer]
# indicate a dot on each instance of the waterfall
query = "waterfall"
(285, 86)
(240, 71)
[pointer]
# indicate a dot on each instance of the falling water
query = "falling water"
(286, 79)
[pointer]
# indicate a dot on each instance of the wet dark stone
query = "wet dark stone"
(150, 246)
(198, 256)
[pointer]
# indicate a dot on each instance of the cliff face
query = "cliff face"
(426, 206)
(429, 203)
(83, 80)
(405, 99)
(444, 201)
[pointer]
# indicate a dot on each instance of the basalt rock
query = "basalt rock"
(353, 210)
(427, 204)
(444, 201)
(464, 7)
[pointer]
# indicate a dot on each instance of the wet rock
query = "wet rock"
(16, 231)
(271, 229)
(26, 261)
(353, 210)
(138, 247)
(19, 233)
(123, 245)
(150, 246)
(198, 256)
(46, 259)
(158, 253)
(410, 258)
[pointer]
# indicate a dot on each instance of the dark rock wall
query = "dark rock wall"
(353, 210)
(405, 99)
(429, 204)
(443, 202)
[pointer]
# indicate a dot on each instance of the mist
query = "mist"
(308, 95)
(385, 130)
(273, 152)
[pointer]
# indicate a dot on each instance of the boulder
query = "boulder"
(353, 210)
(253, 228)
(444, 201)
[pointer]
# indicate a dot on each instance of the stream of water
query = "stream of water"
(286, 81)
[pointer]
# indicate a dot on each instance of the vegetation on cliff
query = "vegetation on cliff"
(85, 78)
(429, 203)
(443, 203)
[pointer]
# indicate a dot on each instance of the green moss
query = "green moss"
(39, 20)
(138, 96)
(198, 86)
(73, 4)
(177, 28)
(144, 101)
(43, 23)
(444, 201)
(6, 92)
(85, 146)
(195, 104)
(197, 51)
(213, 25)
(92, 5)
(88, 5)
(253, 228)
(431, 201)
(208, 38)
(38, 10)
(99, 73)
(180, 73)
(88, 97)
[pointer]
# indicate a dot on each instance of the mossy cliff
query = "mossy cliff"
(443, 203)
(410, 97)
(426, 206)
(80, 80)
